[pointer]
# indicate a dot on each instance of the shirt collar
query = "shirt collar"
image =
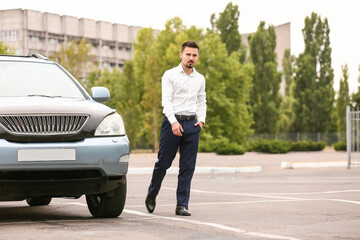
(180, 69)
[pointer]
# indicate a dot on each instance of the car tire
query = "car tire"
(38, 201)
(108, 204)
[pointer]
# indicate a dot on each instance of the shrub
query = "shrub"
(281, 146)
(307, 146)
(270, 146)
(221, 146)
(340, 146)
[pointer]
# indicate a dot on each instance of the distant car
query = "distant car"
(56, 140)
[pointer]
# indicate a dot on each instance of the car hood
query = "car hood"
(47, 106)
(28, 105)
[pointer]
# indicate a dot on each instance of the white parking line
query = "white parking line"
(341, 200)
(283, 199)
(286, 198)
(201, 170)
(314, 193)
(272, 196)
(213, 225)
(239, 194)
(220, 203)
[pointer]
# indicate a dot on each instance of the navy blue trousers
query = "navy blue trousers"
(169, 144)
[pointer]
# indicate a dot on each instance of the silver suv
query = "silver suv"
(56, 140)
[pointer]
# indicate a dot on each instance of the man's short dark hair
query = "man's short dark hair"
(190, 44)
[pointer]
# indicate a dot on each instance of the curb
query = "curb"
(202, 170)
(290, 165)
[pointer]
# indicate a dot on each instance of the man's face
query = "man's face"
(189, 57)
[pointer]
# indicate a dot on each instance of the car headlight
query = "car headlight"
(112, 125)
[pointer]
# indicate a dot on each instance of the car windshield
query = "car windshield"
(30, 79)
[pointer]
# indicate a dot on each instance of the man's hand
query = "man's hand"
(177, 129)
(201, 124)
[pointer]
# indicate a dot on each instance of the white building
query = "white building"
(29, 31)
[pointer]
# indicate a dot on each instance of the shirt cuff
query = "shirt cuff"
(172, 118)
(201, 120)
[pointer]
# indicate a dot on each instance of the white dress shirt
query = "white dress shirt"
(183, 94)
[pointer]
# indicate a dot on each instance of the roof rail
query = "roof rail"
(37, 55)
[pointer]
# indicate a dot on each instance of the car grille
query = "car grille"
(43, 124)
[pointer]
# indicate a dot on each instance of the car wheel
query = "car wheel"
(38, 201)
(109, 204)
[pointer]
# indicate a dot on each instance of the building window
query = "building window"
(32, 39)
(9, 35)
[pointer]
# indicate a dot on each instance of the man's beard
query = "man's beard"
(189, 66)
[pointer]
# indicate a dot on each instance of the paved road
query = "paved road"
(320, 203)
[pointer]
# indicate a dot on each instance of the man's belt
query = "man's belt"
(185, 117)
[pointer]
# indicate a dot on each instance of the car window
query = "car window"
(21, 79)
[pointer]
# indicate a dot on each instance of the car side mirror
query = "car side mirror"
(100, 94)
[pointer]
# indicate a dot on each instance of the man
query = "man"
(184, 107)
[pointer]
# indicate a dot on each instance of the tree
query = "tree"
(343, 100)
(138, 87)
(286, 111)
(153, 56)
(111, 80)
(227, 26)
(288, 70)
(355, 97)
(147, 69)
(313, 92)
(75, 57)
(129, 106)
(265, 99)
(228, 83)
(152, 98)
(5, 49)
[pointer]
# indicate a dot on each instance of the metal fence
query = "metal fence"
(352, 136)
(329, 138)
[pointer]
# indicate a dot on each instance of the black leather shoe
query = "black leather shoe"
(150, 203)
(182, 211)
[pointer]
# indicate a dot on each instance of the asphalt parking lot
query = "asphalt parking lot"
(260, 200)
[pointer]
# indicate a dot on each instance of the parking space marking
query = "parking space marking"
(276, 197)
(240, 194)
(255, 201)
(315, 193)
(289, 198)
(213, 225)
(340, 200)
(221, 203)
(209, 224)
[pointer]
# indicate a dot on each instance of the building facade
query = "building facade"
(282, 42)
(29, 31)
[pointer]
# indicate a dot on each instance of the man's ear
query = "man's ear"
(180, 55)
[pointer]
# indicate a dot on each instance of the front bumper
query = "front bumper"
(95, 169)
(102, 153)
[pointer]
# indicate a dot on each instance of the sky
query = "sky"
(343, 17)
